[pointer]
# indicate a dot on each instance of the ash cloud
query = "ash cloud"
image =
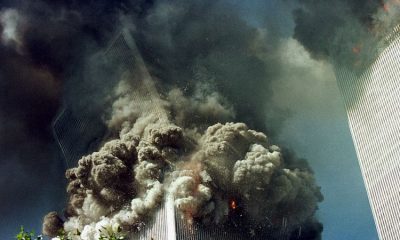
(235, 162)
(209, 66)
(205, 41)
(41, 45)
(348, 33)
(204, 165)
(123, 184)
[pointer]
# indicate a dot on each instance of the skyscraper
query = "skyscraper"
(372, 99)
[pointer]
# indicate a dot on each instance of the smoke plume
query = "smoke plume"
(186, 132)
(349, 33)
(159, 153)
(125, 181)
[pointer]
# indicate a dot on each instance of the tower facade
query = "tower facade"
(372, 100)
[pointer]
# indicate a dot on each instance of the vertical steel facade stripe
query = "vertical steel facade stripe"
(372, 102)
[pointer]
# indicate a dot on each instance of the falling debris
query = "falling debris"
(123, 183)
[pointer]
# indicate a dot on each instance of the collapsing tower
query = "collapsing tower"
(372, 101)
(78, 134)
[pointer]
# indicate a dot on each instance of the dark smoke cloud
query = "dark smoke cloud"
(52, 224)
(346, 32)
(200, 52)
(349, 34)
(29, 99)
(186, 42)
(42, 44)
(122, 184)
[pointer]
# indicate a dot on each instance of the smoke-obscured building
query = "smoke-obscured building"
(167, 224)
(79, 133)
(372, 99)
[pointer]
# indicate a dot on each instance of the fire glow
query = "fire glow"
(233, 204)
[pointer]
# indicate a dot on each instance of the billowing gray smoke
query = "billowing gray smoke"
(159, 155)
(346, 32)
(234, 162)
(210, 68)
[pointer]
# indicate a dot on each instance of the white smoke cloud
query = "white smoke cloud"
(12, 23)
(257, 168)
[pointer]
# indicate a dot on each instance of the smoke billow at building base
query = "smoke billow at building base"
(163, 173)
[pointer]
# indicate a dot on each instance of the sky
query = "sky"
(316, 128)
(345, 211)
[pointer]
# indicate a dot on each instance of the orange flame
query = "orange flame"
(233, 204)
